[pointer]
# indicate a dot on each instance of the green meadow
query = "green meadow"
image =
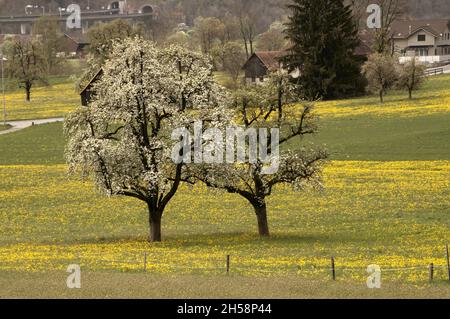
(386, 201)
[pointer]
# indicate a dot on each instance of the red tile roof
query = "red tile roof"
(363, 50)
(271, 58)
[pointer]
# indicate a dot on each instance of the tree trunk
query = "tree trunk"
(155, 227)
(280, 102)
(410, 94)
(261, 215)
(246, 48)
(381, 97)
(28, 92)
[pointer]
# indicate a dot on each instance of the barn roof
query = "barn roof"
(92, 80)
(270, 59)
(77, 38)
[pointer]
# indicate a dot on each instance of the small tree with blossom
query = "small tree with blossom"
(381, 71)
(123, 139)
(411, 76)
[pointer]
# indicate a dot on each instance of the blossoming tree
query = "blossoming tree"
(272, 105)
(123, 139)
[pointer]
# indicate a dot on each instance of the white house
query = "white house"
(429, 40)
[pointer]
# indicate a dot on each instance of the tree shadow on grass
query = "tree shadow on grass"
(226, 239)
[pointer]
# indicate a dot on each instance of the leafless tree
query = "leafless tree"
(390, 11)
(359, 11)
(26, 63)
(248, 33)
(207, 31)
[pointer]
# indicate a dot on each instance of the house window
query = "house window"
(421, 38)
(422, 52)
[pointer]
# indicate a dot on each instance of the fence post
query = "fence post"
(228, 264)
(431, 272)
(145, 261)
(333, 269)
(448, 263)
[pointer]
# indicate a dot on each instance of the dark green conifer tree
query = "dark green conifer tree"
(324, 37)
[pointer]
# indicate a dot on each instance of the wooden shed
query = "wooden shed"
(260, 64)
(88, 92)
(74, 45)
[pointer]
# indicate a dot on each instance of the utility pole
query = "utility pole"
(3, 90)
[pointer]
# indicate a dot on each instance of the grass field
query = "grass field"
(38, 145)
(120, 285)
(62, 97)
(51, 101)
(363, 217)
(55, 100)
(386, 201)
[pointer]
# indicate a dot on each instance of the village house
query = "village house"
(428, 40)
(261, 64)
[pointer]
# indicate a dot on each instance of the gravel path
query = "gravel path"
(20, 125)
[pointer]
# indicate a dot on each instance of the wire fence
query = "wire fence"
(435, 71)
(237, 264)
(232, 264)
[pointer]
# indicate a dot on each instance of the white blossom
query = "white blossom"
(122, 140)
